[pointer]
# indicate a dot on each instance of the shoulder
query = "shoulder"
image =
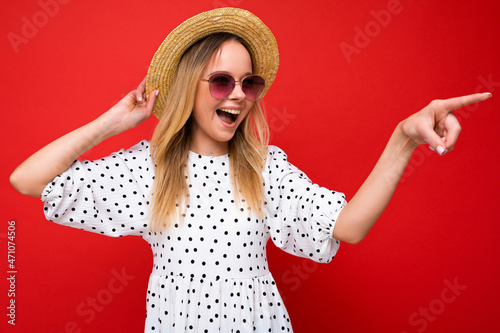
(275, 153)
(133, 159)
(140, 150)
(277, 160)
(141, 147)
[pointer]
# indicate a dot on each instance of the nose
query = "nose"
(237, 92)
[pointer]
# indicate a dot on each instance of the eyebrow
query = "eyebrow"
(226, 72)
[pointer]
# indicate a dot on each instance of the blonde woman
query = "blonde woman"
(207, 192)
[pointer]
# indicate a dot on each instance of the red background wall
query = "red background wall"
(431, 262)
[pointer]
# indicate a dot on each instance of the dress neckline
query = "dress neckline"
(200, 156)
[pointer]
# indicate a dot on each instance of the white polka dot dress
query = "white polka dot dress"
(210, 271)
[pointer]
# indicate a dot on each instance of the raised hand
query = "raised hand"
(130, 111)
(437, 125)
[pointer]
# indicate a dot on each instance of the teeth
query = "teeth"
(231, 111)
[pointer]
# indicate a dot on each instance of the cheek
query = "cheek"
(203, 95)
(202, 101)
(248, 108)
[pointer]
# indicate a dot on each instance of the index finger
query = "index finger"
(455, 103)
(141, 89)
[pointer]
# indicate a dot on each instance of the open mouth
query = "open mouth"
(228, 116)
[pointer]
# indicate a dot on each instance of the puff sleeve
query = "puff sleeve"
(109, 196)
(300, 215)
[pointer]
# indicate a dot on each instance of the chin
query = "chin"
(225, 138)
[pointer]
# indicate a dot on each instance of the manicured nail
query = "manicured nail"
(440, 150)
(488, 93)
(157, 92)
(139, 98)
(430, 147)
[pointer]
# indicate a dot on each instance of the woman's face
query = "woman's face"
(214, 120)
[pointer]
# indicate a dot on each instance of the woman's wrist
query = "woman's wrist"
(104, 127)
(403, 140)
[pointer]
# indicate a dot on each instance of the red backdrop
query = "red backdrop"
(349, 72)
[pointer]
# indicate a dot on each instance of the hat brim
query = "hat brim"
(259, 40)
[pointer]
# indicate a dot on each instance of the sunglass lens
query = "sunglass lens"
(253, 86)
(221, 85)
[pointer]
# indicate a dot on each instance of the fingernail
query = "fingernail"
(139, 98)
(488, 93)
(430, 147)
(157, 92)
(440, 150)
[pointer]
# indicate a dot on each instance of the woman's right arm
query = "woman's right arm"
(31, 176)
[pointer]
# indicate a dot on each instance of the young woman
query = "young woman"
(207, 192)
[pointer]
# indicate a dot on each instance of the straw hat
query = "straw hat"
(260, 42)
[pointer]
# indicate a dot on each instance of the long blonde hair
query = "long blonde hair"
(171, 142)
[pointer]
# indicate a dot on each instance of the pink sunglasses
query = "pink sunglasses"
(222, 85)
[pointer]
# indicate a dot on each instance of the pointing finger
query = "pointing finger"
(459, 102)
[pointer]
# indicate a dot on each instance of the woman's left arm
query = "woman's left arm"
(435, 125)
